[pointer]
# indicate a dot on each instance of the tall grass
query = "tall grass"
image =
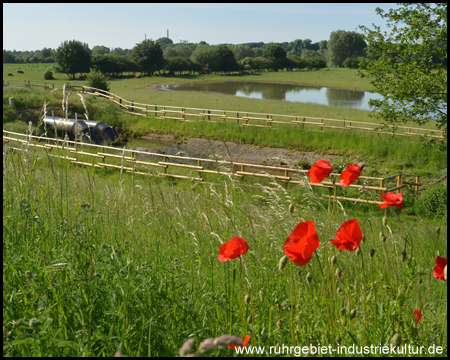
(95, 263)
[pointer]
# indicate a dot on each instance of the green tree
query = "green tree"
(344, 44)
(100, 50)
(227, 62)
(164, 41)
(97, 80)
(277, 55)
(403, 68)
(149, 56)
(207, 56)
(72, 57)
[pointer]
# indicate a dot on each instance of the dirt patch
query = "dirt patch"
(247, 153)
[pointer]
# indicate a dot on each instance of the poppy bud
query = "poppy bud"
(396, 340)
(279, 324)
(384, 220)
(338, 273)
(358, 252)
(333, 260)
(247, 298)
(261, 294)
(352, 314)
(282, 262)
(344, 321)
(343, 311)
(338, 339)
(403, 255)
(291, 207)
(338, 291)
(308, 278)
(250, 319)
(372, 252)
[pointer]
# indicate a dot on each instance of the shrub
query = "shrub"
(48, 75)
(97, 80)
(432, 203)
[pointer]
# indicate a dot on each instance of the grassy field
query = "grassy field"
(96, 260)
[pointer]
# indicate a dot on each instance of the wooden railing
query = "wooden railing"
(139, 162)
(245, 118)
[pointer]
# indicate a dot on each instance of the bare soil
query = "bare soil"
(226, 150)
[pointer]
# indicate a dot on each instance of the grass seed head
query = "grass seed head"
(186, 348)
(206, 346)
(385, 220)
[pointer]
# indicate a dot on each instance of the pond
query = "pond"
(287, 92)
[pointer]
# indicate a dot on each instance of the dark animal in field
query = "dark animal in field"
(9, 74)
(20, 72)
(137, 76)
(82, 77)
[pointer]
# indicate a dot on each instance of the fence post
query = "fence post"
(399, 182)
(156, 109)
(237, 120)
(182, 114)
(417, 186)
(303, 125)
(146, 108)
(209, 112)
(321, 121)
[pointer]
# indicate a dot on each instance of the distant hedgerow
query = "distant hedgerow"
(432, 203)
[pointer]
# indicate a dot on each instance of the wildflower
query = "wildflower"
(232, 249)
(350, 175)
(301, 244)
(244, 342)
(349, 236)
(438, 272)
(392, 200)
(417, 315)
(319, 171)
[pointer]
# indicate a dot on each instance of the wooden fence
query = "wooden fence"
(195, 169)
(245, 118)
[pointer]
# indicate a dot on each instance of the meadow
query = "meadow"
(96, 260)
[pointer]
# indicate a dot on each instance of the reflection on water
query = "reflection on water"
(288, 92)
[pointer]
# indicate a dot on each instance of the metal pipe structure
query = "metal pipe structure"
(88, 131)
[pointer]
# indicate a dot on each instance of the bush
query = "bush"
(97, 80)
(432, 203)
(48, 75)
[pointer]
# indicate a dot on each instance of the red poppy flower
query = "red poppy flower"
(417, 315)
(350, 175)
(232, 249)
(392, 200)
(348, 236)
(301, 244)
(319, 171)
(244, 341)
(438, 272)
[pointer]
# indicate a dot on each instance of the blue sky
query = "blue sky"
(35, 26)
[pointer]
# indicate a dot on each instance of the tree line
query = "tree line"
(164, 57)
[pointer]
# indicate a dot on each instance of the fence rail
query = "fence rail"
(243, 118)
(139, 162)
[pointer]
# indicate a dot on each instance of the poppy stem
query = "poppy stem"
(432, 261)
(364, 295)
(240, 296)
